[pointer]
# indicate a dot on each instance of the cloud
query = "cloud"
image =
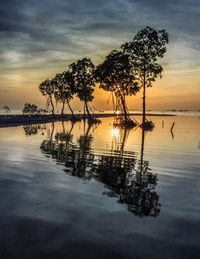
(40, 35)
(35, 26)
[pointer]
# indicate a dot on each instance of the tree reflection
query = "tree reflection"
(81, 157)
(48, 145)
(77, 157)
(34, 129)
(127, 178)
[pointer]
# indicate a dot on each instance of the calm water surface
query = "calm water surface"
(74, 191)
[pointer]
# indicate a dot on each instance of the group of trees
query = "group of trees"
(32, 109)
(123, 73)
(78, 80)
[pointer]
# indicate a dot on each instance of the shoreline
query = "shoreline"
(22, 119)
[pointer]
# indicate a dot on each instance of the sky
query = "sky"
(41, 38)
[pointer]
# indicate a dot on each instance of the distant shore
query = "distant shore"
(22, 119)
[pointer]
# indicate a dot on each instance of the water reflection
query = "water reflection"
(34, 129)
(127, 178)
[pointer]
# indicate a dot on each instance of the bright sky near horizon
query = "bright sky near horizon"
(41, 38)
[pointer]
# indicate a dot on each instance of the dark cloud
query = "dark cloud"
(53, 33)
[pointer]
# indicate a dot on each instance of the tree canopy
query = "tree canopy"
(147, 46)
(30, 109)
(47, 88)
(83, 80)
(116, 75)
(63, 89)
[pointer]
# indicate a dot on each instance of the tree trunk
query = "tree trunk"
(142, 148)
(52, 105)
(144, 97)
(52, 132)
(63, 107)
(124, 107)
(144, 104)
(142, 156)
(70, 108)
(63, 125)
(72, 126)
(84, 111)
(124, 132)
(88, 112)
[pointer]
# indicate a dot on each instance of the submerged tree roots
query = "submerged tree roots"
(147, 125)
(121, 121)
(94, 120)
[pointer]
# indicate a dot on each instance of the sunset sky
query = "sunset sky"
(41, 38)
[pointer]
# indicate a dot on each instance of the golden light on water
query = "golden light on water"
(115, 132)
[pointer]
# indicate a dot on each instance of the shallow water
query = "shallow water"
(74, 191)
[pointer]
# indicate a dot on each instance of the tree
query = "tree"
(83, 81)
(64, 89)
(30, 109)
(47, 88)
(42, 111)
(6, 108)
(115, 74)
(147, 46)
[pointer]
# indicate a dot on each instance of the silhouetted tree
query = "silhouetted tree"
(115, 74)
(147, 46)
(83, 81)
(63, 89)
(42, 111)
(6, 108)
(47, 88)
(30, 109)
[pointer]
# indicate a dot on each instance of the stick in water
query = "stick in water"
(172, 126)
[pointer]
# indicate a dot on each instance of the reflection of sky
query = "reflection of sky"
(45, 205)
(40, 38)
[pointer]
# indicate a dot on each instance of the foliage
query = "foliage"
(33, 109)
(42, 111)
(47, 88)
(83, 79)
(115, 74)
(63, 90)
(147, 46)
(30, 109)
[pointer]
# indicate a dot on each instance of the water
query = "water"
(74, 191)
(80, 111)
